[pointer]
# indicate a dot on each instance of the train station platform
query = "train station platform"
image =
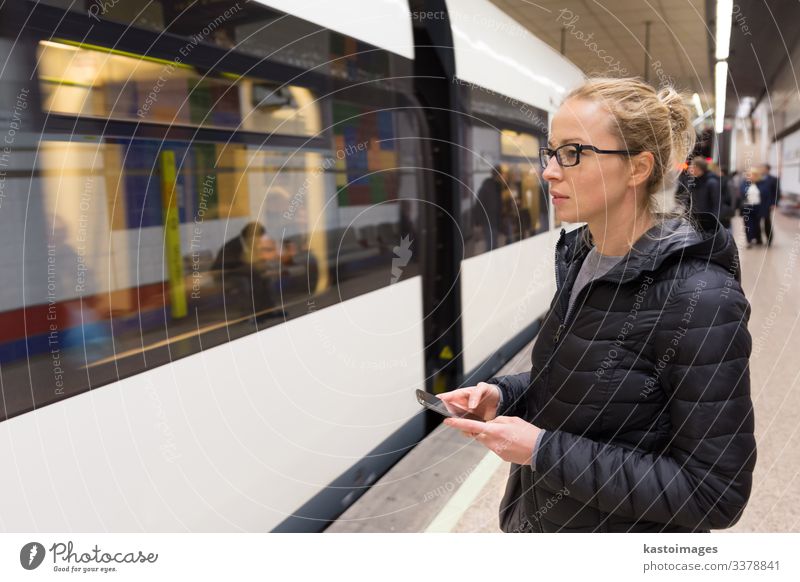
(449, 483)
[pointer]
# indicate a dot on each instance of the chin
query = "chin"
(565, 216)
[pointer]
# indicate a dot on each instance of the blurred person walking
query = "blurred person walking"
(770, 188)
(751, 207)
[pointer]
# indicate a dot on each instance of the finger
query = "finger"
(466, 425)
(474, 399)
(452, 396)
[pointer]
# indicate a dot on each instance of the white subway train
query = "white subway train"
(237, 237)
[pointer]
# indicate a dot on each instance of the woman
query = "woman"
(636, 414)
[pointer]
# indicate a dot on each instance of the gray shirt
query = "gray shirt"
(594, 265)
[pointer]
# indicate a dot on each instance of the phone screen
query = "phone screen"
(431, 402)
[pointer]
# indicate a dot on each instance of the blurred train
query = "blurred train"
(237, 236)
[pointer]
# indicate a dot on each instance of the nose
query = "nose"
(553, 171)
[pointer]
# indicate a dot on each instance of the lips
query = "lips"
(557, 195)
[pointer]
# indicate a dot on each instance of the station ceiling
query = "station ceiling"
(609, 36)
(763, 38)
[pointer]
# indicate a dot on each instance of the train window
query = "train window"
(506, 200)
(147, 14)
(518, 144)
(309, 46)
(152, 245)
(104, 83)
(247, 202)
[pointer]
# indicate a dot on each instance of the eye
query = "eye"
(568, 155)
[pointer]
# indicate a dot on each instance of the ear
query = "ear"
(641, 166)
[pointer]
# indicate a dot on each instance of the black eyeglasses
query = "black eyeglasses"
(569, 154)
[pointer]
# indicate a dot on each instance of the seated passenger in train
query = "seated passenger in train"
(246, 266)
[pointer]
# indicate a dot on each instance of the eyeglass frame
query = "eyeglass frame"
(551, 153)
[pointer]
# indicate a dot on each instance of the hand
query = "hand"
(480, 400)
(509, 437)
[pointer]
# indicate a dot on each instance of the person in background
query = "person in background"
(510, 211)
(726, 199)
(245, 265)
(705, 191)
(736, 180)
(682, 188)
(734, 183)
(751, 207)
(489, 210)
(682, 195)
(770, 189)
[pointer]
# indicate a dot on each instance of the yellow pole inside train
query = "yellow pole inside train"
(172, 235)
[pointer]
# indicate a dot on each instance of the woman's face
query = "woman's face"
(598, 186)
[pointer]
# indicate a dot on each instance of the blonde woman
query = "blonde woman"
(636, 414)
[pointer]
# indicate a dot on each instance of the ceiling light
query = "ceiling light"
(720, 85)
(724, 18)
(697, 104)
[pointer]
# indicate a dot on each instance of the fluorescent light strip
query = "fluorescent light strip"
(720, 85)
(697, 104)
(724, 18)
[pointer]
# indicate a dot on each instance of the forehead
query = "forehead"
(583, 120)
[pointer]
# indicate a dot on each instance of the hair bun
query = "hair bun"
(683, 135)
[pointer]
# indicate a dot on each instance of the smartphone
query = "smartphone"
(449, 409)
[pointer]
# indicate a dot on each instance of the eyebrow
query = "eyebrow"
(567, 140)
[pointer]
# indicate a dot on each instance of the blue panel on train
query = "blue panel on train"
(350, 133)
(386, 130)
(142, 186)
(143, 181)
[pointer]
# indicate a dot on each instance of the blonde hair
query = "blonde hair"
(648, 120)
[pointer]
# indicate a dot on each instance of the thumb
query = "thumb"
(473, 399)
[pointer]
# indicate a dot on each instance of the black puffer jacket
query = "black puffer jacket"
(643, 390)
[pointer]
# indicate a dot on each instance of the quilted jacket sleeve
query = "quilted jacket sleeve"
(703, 478)
(513, 394)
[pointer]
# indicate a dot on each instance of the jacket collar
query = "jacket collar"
(670, 239)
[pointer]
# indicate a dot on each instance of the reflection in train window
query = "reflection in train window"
(188, 239)
(506, 200)
(105, 83)
(127, 252)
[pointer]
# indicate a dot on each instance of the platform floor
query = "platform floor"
(449, 483)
